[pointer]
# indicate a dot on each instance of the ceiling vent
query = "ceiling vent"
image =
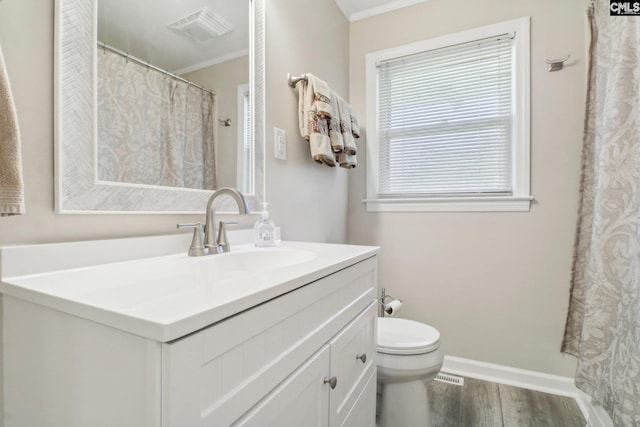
(202, 26)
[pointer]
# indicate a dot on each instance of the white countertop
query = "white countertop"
(166, 297)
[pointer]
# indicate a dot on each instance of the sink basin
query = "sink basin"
(168, 280)
(258, 259)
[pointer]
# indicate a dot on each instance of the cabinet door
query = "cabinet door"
(353, 353)
(301, 400)
(363, 413)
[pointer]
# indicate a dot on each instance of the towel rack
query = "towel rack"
(293, 80)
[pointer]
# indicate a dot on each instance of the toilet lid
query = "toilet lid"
(402, 336)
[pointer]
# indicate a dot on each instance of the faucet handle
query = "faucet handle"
(197, 243)
(222, 241)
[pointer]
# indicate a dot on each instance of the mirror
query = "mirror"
(90, 134)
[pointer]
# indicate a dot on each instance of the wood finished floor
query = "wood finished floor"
(485, 404)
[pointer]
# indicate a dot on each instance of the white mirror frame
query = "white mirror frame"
(77, 188)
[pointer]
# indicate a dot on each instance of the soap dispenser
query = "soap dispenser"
(265, 229)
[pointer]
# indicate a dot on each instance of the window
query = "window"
(448, 123)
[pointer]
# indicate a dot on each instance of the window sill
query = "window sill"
(451, 204)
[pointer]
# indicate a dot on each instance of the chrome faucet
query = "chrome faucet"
(215, 239)
(204, 240)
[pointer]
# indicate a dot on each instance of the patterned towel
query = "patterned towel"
(313, 119)
(321, 96)
(347, 161)
(346, 118)
(335, 129)
(11, 183)
(327, 122)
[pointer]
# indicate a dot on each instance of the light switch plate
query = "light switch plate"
(279, 143)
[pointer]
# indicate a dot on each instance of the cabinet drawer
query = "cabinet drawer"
(214, 376)
(353, 353)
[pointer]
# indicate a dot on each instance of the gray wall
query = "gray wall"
(495, 284)
(308, 200)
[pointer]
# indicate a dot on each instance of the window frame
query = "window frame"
(520, 200)
(245, 179)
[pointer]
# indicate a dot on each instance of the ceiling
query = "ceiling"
(354, 10)
(140, 28)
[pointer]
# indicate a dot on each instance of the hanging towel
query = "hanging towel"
(314, 125)
(347, 157)
(345, 127)
(321, 95)
(335, 132)
(347, 161)
(11, 183)
(355, 129)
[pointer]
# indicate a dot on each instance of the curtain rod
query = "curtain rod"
(149, 65)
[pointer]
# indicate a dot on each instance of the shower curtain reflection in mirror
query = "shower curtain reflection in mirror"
(152, 128)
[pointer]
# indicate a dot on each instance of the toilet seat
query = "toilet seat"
(406, 337)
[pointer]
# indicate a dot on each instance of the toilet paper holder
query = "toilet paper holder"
(386, 302)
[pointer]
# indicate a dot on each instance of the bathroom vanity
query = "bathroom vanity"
(272, 336)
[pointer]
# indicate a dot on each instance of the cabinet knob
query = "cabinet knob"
(362, 357)
(332, 381)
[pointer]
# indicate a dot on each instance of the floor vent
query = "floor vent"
(449, 379)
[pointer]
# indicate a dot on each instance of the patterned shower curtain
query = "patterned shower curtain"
(603, 325)
(152, 128)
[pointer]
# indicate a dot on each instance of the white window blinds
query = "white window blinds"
(445, 120)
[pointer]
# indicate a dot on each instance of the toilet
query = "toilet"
(408, 359)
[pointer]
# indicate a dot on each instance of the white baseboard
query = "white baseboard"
(538, 381)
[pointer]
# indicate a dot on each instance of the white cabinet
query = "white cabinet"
(332, 388)
(263, 366)
(213, 377)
